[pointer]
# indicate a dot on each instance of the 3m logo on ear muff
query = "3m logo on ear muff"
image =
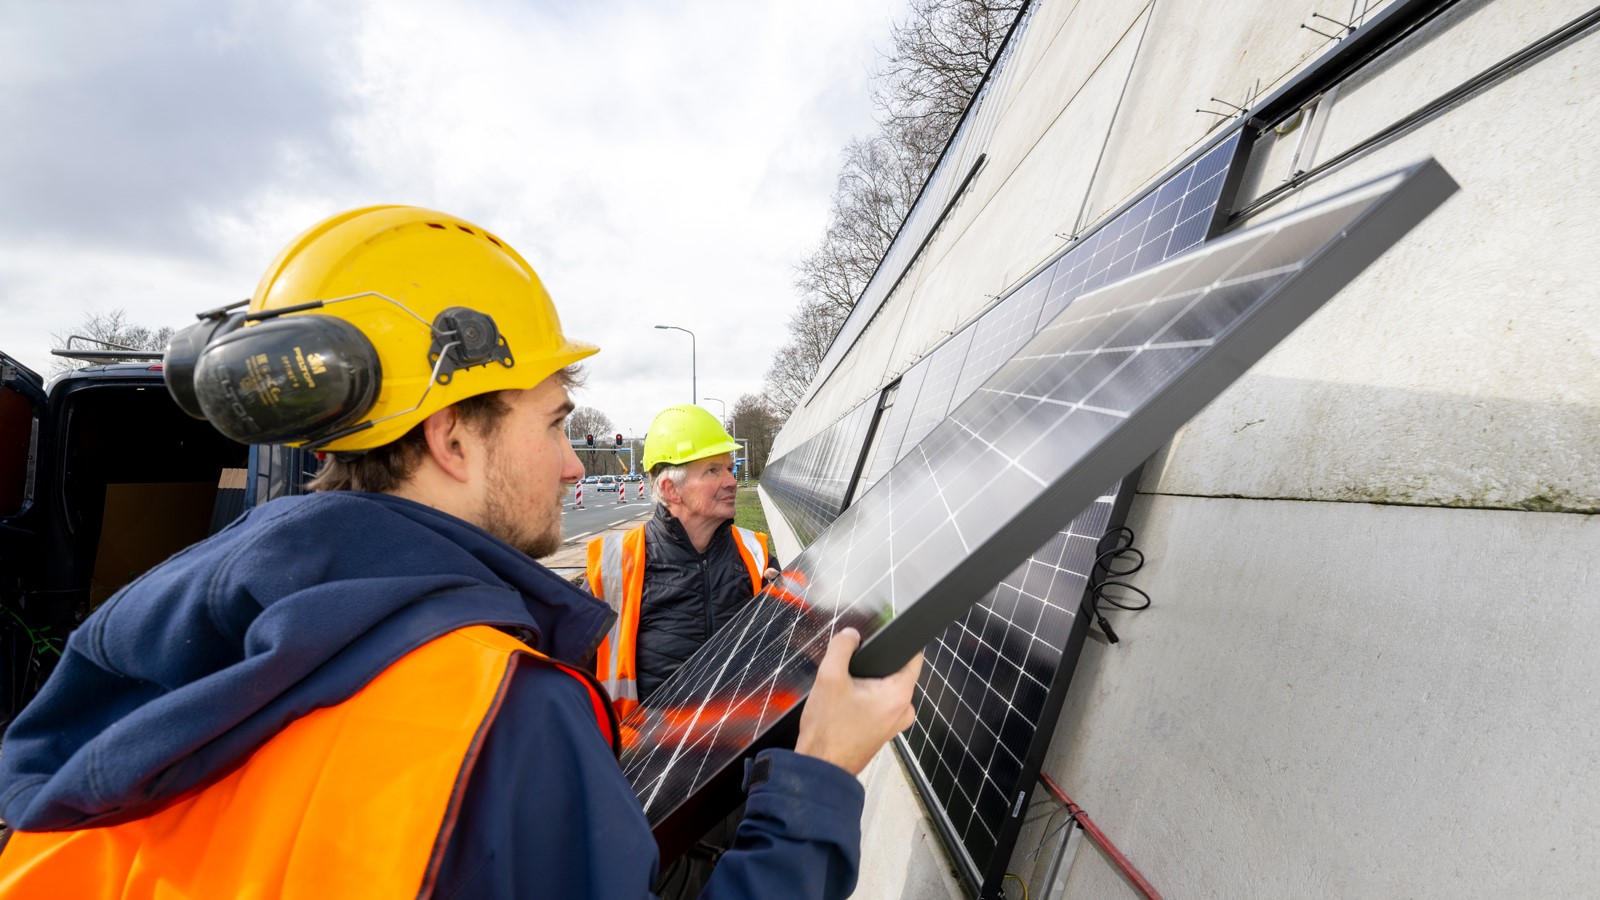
(270, 377)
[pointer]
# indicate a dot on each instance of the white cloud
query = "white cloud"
(657, 163)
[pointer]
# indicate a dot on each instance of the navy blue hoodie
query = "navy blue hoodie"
(296, 606)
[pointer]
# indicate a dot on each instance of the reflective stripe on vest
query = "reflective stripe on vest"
(353, 800)
(616, 575)
(616, 572)
(753, 550)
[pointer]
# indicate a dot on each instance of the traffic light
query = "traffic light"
(619, 440)
(590, 439)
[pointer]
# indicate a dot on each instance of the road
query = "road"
(601, 511)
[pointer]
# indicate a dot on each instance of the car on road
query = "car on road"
(634, 477)
(591, 479)
(609, 483)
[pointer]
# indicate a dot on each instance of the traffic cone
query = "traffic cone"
(641, 490)
(578, 501)
(622, 493)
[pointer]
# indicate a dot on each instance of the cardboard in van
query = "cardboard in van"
(143, 525)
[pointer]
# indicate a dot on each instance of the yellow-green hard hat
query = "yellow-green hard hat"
(683, 434)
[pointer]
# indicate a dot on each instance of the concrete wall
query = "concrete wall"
(1370, 667)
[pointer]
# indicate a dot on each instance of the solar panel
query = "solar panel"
(933, 400)
(1167, 221)
(809, 484)
(1100, 387)
(993, 682)
(970, 753)
(1170, 219)
(892, 425)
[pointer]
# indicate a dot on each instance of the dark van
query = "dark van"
(101, 477)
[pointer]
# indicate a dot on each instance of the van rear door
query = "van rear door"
(22, 403)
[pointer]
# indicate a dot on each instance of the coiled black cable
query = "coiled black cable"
(1111, 564)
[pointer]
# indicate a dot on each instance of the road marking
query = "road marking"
(576, 536)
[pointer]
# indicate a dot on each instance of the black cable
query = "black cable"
(1106, 573)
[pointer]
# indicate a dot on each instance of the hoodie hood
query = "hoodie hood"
(293, 607)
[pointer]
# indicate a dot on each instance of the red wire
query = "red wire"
(1122, 863)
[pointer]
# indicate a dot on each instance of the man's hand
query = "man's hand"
(847, 720)
(770, 575)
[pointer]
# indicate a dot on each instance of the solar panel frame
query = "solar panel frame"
(713, 713)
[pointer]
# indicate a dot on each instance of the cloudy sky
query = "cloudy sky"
(657, 163)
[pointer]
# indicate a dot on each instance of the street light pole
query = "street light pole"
(724, 408)
(694, 396)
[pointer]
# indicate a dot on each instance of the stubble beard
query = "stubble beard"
(502, 521)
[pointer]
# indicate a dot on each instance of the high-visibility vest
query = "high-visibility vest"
(616, 575)
(353, 800)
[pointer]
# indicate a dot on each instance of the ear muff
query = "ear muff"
(287, 380)
(183, 352)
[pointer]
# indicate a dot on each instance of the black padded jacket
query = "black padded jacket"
(687, 595)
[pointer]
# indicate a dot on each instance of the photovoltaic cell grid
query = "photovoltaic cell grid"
(933, 401)
(892, 425)
(984, 719)
(1169, 220)
(1106, 382)
(809, 483)
(987, 684)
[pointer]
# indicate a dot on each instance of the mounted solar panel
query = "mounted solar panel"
(1168, 220)
(809, 484)
(995, 679)
(933, 400)
(892, 426)
(1099, 388)
(991, 689)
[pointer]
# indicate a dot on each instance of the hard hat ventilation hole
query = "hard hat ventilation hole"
(493, 240)
(467, 230)
(436, 225)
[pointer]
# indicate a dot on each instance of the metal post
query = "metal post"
(724, 408)
(694, 391)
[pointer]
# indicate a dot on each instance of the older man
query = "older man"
(686, 571)
(374, 690)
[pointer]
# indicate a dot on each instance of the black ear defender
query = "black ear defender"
(306, 378)
(183, 354)
(293, 379)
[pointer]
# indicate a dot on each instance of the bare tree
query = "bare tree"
(940, 54)
(115, 331)
(811, 330)
(584, 421)
(877, 185)
(942, 50)
(755, 421)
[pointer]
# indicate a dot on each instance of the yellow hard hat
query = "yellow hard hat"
(681, 434)
(449, 310)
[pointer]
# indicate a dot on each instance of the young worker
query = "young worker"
(373, 690)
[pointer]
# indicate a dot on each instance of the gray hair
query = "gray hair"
(667, 472)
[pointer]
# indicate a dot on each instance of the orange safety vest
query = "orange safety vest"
(353, 800)
(616, 575)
